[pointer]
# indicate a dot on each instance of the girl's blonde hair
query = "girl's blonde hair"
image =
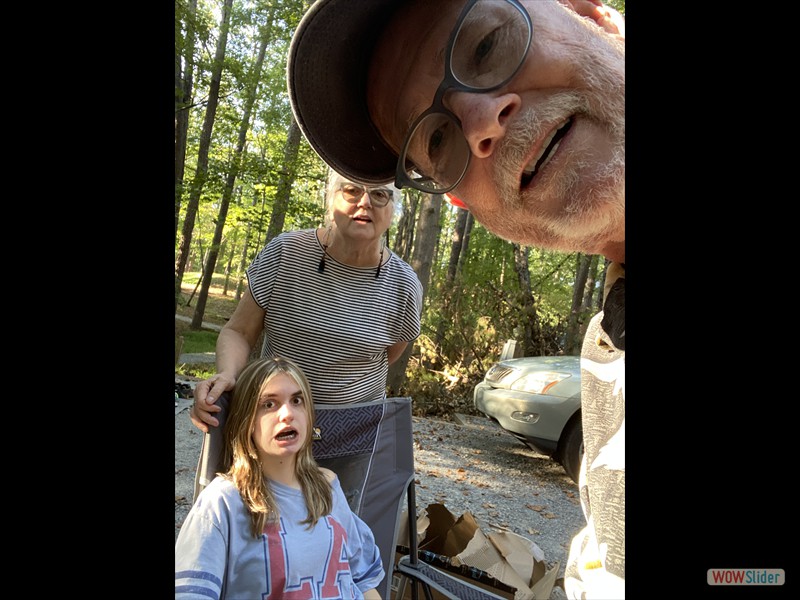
(243, 467)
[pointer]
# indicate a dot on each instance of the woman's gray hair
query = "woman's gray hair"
(335, 181)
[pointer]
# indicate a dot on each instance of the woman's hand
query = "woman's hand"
(205, 395)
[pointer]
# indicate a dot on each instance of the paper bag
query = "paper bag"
(508, 557)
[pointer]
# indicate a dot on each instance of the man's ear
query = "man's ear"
(606, 17)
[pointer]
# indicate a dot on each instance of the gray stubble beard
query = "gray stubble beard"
(591, 211)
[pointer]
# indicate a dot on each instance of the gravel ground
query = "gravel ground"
(467, 465)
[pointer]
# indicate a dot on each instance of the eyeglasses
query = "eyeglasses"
(486, 49)
(377, 196)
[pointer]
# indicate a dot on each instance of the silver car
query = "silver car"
(538, 400)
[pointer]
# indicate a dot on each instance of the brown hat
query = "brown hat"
(327, 77)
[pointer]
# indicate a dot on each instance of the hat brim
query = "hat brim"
(326, 74)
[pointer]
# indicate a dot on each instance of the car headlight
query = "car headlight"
(538, 383)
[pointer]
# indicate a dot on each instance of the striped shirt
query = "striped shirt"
(336, 325)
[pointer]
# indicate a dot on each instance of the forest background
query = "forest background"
(244, 173)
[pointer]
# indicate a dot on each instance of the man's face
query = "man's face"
(570, 88)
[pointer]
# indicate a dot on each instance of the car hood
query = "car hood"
(567, 363)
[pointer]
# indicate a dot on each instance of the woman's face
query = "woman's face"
(356, 214)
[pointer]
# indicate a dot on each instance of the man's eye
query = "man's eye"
(437, 142)
(482, 51)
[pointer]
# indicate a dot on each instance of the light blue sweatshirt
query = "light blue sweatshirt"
(217, 557)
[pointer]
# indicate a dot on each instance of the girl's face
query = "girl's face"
(281, 424)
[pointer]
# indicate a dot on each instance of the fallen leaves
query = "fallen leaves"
(540, 508)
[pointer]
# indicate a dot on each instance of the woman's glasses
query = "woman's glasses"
(377, 196)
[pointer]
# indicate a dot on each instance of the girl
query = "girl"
(275, 524)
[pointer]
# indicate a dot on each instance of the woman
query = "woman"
(275, 525)
(335, 300)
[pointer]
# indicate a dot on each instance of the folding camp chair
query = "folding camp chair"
(370, 447)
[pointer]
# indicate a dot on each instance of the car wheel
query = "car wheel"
(570, 447)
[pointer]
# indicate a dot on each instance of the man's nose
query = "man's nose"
(484, 118)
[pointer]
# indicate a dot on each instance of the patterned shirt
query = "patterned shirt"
(596, 564)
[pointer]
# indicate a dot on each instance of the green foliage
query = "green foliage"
(439, 391)
(200, 370)
(471, 318)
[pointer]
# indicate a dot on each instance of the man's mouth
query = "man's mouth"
(548, 149)
(286, 435)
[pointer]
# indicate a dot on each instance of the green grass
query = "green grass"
(197, 342)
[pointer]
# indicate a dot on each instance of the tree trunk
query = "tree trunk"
(428, 230)
(284, 192)
(452, 289)
(590, 285)
(183, 99)
(404, 238)
(202, 154)
(572, 344)
(229, 262)
(464, 254)
(240, 271)
(530, 332)
(457, 245)
(230, 182)
(587, 310)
